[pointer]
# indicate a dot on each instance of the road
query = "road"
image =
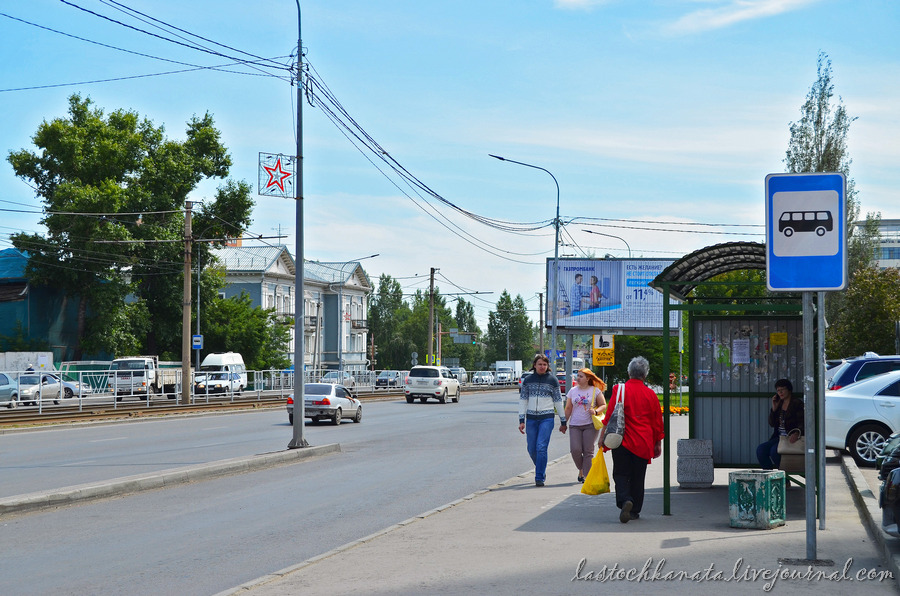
(402, 460)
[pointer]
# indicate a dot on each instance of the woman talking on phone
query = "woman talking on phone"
(785, 416)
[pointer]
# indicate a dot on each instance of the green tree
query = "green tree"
(818, 143)
(114, 189)
(233, 324)
(872, 306)
(387, 314)
(509, 323)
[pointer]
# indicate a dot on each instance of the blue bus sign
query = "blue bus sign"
(806, 232)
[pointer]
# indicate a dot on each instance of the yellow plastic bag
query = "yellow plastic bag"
(597, 480)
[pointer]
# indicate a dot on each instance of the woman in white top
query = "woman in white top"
(585, 398)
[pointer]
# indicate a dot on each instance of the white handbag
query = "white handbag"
(615, 430)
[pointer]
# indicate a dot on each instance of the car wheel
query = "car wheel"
(358, 417)
(291, 419)
(240, 390)
(69, 393)
(443, 397)
(337, 417)
(456, 399)
(409, 399)
(12, 403)
(423, 399)
(866, 442)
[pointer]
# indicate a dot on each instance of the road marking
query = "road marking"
(215, 427)
(81, 463)
(107, 440)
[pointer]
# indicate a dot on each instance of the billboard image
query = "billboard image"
(609, 294)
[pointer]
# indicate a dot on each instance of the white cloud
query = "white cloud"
(579, 4)
(731, 13)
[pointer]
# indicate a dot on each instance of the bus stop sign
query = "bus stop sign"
(806, 232)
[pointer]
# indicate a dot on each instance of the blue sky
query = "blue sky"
(651, 114)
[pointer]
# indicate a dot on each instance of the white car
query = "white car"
(431, 382)
(35, 387)
(326, 400)
(861, 416)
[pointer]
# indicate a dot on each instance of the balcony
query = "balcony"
(359, 323)
(310, 321)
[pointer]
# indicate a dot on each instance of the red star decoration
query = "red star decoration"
(277, 176)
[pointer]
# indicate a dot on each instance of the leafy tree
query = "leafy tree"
(387, 314)
(819, 144)
(116, 178)
(510, 323)
(872, 306)
(233, 324)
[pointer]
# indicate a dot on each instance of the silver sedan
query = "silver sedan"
(324, 400)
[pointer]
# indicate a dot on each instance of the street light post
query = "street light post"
(611, 236)
(554, 277)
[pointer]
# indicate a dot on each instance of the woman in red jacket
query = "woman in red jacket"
(641, 442)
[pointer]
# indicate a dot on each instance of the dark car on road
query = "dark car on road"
(862, 367)
(387, 379)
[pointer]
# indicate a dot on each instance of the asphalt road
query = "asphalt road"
(402, 460)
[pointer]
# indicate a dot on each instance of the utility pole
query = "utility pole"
(186, 312)
(297, 439)
(430, 355)
(541, 326)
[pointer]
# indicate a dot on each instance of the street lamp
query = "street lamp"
(555, 275)
(611, 236)
(341, 313)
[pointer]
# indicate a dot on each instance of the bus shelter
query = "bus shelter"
(739, 347)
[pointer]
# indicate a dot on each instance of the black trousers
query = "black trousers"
(629, 472)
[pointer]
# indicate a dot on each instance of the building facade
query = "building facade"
(335, 303)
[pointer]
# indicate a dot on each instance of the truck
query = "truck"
(507, 371)
(143, 376)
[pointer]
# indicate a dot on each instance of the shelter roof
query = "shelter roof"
(686, 273)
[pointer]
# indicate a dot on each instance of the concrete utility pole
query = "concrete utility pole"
(186, 311)
(430, 356)
(541, 326)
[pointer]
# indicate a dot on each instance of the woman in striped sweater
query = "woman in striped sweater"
(539, 402)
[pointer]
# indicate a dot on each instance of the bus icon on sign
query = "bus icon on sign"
(805, 221)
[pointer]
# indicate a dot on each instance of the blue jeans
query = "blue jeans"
(537, 437)
(767, 454)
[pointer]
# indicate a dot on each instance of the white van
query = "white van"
(225, 362)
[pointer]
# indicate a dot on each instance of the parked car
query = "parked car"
(522, 378)
(861, 416)
(72, 387)
(38, 387)
(8, 391)
(387, 379)
(327, 400)
(862, 367)
(483, 377)
(336, 377)
(561, 377)
(219, 382)
(431, 381)
(889, 458)
(889, 501)
(461, 374)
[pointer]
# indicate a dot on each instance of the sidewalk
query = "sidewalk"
(514, 538)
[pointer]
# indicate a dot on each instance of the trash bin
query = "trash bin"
(756, 499)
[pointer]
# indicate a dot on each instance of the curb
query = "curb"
(92, 491)
(867, 504)
(281, 573)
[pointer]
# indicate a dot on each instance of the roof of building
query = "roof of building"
(259, 259)
(253, 259)
(12, 264)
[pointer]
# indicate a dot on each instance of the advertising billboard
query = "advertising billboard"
(609, 295)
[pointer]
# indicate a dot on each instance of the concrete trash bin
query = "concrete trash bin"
(756, 499)
(695, 463)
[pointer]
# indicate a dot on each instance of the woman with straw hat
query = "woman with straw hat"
(584, 399)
